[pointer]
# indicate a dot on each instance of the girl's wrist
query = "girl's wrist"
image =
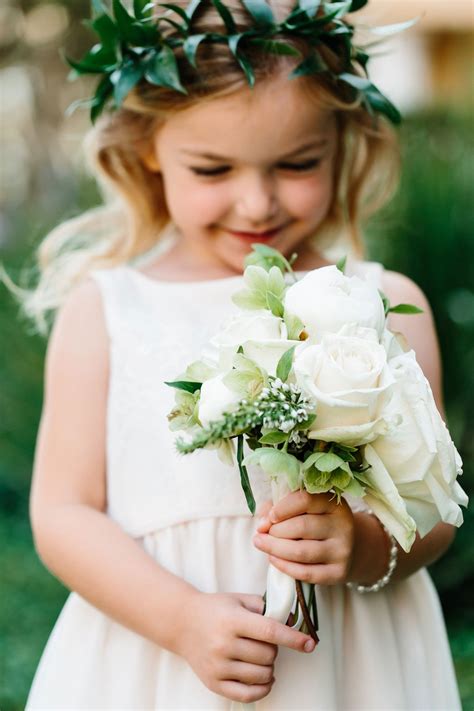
(371, 550)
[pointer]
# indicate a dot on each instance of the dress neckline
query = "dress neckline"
(169, 282)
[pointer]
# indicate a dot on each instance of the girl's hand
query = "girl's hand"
(308, 536)
(232, 647)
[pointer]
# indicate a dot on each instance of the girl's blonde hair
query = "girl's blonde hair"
(129, 223)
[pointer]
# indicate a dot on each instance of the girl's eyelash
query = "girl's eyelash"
(210, 171)
(307, 165)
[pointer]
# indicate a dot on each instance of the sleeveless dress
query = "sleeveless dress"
(386, 650)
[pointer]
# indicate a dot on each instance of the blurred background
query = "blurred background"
(426, 232)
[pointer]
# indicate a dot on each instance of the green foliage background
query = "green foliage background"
(425, 233)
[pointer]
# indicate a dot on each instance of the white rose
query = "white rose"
(419, 456)
(325, 300)
(349, 380)
(262, 336)
(216, 398)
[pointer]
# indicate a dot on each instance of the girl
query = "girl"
(160, 551)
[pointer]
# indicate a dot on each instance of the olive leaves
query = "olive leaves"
(137, 45)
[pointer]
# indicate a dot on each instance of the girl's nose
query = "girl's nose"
(257, 200)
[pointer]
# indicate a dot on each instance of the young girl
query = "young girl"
(161, 554)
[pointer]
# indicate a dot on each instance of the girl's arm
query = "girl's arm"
(223, 637)
(343, 546)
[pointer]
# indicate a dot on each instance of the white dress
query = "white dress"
(386, 650)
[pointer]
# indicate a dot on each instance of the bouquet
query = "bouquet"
(308, 383)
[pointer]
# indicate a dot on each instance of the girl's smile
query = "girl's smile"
(254, 166)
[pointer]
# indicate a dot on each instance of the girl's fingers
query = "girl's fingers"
(253, 603)
(322, 574)
(267, 630)
(243, 692)
(308, 526)
(264, 508)
(247, 673)
(300, 551)
(253, 652)
(301, 502)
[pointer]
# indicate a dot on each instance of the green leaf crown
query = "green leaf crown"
(141, 47)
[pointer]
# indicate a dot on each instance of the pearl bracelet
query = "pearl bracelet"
(392, 564)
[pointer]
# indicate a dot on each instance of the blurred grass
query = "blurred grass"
(426, 233)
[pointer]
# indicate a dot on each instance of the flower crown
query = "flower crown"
(133, 48)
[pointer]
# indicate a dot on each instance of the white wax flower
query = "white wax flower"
(349, 379)
(325, 300)
(419, 456)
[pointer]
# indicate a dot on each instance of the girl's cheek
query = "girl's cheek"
(199, 203)
(309, 197)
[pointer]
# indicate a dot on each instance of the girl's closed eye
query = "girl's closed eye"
(210, 172)
(306, 165)
(221, 170)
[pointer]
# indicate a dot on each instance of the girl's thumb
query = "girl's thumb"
(253, 603)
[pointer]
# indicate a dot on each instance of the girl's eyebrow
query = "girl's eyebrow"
(213, 156)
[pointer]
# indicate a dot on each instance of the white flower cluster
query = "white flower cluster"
(283, 406)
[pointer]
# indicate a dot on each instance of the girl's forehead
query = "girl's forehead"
(280, 113)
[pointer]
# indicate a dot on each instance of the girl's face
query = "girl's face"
(255, 166)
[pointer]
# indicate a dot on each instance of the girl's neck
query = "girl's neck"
(181, 263)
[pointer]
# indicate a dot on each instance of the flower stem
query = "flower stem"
(305, 611)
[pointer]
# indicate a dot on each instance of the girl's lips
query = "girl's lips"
(256, 236)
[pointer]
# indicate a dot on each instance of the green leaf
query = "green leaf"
(233, 42)
(360, 83)
(405, 309)
(374, 98)
(179, 11)
(188, 386)
(379, 103)
(341, 264)
(105, 27)
(190, 47)
(273, 437)
(247, 68)
(244, 477)
(357, 5)
(313, 64)
(93, 63)
(249, 300)
(275, 304)
(328, 462)
(225, 16)
(275, 47)
(385, 301)
(129, 30)
(310, 7)
(98, 8)
(103, 92)
(260, 11)
(142, 9)
(192, 7)
(284, 364)
(275, 462)
(125, 79)
(386, 30)
(276, 282)
(162, 70)
(354, 489)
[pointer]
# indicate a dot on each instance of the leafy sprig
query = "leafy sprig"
(140, 46)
